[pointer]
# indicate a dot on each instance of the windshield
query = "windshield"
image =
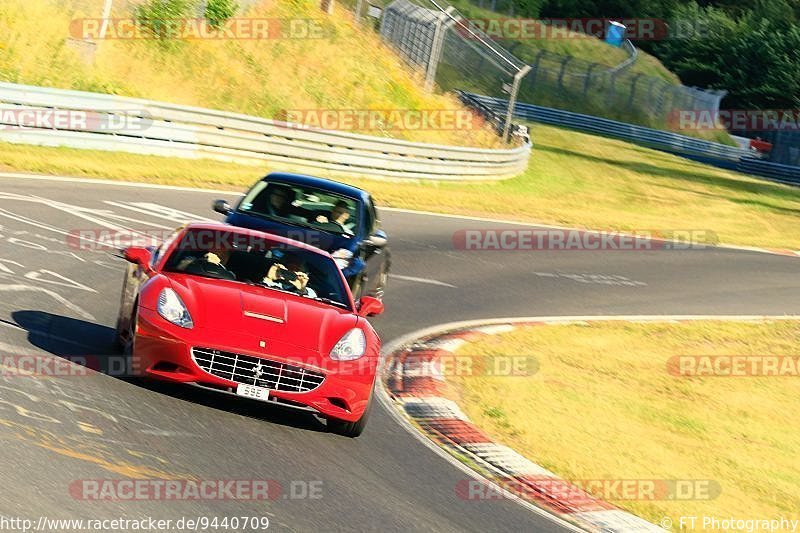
(307, 206)
(259, 261)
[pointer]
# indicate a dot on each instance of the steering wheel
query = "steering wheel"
(209, 270)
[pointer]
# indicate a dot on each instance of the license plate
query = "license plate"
(252, 391)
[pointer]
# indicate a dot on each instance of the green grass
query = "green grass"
(602, 406)
(349, 69)
(573, 179)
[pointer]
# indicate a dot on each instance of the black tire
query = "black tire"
(358, 287)
(119, 342)
(127, 347)
(350, 429)
(383, 280)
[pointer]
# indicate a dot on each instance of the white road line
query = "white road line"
(42, 225)
(422, 280)
(20, 287)
(524, 223)
(98, 181)
(159, 211)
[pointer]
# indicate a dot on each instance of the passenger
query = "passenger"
(290, 275)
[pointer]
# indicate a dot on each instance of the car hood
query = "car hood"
(285, 321)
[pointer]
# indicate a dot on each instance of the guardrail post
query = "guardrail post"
(443, 22)
(512, 100)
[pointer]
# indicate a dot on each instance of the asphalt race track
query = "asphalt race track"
(60, 300)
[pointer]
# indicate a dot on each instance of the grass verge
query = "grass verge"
(573, 179)
(348, 69)
(603, 406)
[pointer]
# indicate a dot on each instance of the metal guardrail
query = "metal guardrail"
(192, 132)
(709, 152)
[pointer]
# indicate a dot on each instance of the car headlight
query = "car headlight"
(173, 310)
(351, 346)
(342, 257)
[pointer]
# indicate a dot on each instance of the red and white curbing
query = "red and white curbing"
(415, 383)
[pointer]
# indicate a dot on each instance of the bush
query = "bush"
(158, 17)
(218, 11)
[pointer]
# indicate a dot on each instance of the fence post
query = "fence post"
(443, 22)
(589, 77)
(359, 5)
(564, 62)
(512, 100)
(536, 68)
(633, 89)
(661, 98)
(106, 15)
(613, 91)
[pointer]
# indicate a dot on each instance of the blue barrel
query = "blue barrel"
(615, 33)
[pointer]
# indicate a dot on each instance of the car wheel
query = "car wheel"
(127, 343)
(119, 340)
(350, 429)
(358, 287)
(383, 280)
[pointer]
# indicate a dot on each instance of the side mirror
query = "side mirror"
(369, 306)
(222, 206)
(378, 240)
(139, 256)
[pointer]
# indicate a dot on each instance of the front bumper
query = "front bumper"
(164, 351)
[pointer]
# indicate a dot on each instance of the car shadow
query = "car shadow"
(93, 345)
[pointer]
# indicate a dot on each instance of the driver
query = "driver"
(339, 214)
(218, 258)
(290, 275)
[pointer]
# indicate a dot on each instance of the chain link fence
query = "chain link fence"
(464, 58)
(617, 93)
(454, 54)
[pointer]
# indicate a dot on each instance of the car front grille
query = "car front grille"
(257, 371)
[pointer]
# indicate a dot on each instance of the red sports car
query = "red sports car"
(255, 315)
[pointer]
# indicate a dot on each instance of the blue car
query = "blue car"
(327, 214)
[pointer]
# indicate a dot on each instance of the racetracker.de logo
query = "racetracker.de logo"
(104, 239)
(735, 119)
(568, 239)
(440, 365)
(734, 366)
(46, 365)
(573, 492)
(507, 28)
(241, 28)
(111, 120)
(380, 119)
(194, 489)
